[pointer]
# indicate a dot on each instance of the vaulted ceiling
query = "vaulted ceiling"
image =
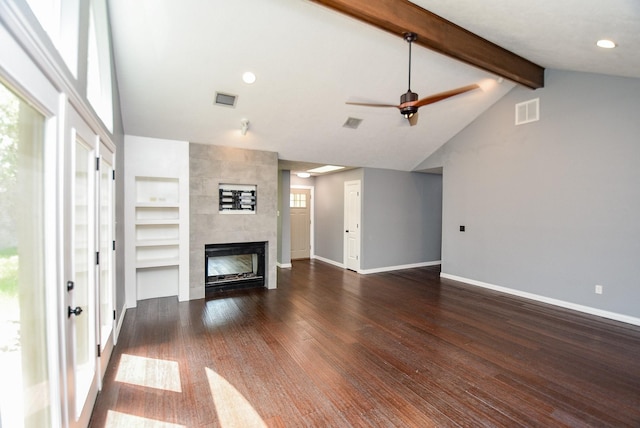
(310, 58)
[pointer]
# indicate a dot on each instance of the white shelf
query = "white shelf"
(157, 221)
(152, 263)
(157, 214)
(157, 242)
(157, 205)
(157, 191)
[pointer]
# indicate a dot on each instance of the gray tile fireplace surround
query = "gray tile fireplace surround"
(208, 167)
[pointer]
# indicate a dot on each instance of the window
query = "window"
(60, 20)
(99, 88)
(297, 200)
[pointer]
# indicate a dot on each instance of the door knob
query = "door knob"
(77, 311)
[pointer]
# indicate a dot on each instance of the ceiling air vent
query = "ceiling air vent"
(528, 111)
(352, 123)
(226, 100)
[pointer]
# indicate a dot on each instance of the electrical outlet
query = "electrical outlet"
(599, 289)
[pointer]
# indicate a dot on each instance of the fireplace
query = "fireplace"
(234, 265)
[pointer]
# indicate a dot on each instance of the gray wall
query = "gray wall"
(550, 207)
(284, 222)
(329, 213)
(402, 218)
(210, 166)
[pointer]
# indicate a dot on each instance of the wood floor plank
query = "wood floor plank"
(332, 348)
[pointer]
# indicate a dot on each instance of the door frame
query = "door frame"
(106, 151)
(312, 214)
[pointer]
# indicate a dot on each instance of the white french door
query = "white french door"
(28, 363)
(106, 239)
(56, 214)
(80, 269)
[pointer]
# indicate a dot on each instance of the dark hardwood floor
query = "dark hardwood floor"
(331, 348)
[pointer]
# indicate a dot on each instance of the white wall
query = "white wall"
(153, 157)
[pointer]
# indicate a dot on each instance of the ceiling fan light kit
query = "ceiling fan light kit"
(409, 101)
(409, 110)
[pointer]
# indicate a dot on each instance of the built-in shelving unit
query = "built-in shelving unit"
(156, 219)
(157, 234)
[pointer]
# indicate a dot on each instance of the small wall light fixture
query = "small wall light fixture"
(244, 123)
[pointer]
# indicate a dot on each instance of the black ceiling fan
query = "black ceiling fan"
(409, 102)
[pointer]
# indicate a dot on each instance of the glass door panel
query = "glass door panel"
(107, 266)
(83, 268)
(25, 389)
(80, 269)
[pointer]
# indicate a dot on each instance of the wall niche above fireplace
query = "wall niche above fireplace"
(237, 198)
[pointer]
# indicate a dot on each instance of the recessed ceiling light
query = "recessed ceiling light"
(326, 168)
(607, 44)
(303, 175)
(249, 77)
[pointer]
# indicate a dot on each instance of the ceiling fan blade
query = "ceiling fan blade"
(444, 95)
(413, 120)
(371, 104)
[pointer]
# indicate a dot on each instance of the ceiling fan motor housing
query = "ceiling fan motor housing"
(408, 111)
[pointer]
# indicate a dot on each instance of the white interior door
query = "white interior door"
(81, 271)
(352, 200)
(300, 218)
(106, 240)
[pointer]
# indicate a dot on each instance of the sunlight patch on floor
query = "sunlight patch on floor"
(149, 372)
(232, 408)
(119, 420)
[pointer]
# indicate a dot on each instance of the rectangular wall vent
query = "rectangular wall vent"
(352, 123)
(528, 111)
(226, 100)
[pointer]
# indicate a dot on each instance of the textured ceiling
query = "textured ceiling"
(554, 34)
(171, 58)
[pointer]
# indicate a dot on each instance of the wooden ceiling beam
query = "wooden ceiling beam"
(440, 35)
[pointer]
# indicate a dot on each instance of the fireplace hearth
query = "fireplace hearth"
(234, 265)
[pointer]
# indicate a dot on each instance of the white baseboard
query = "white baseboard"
(561, 303)
(119, 324)
(284, 265)
(331, 262)
(399, 267)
